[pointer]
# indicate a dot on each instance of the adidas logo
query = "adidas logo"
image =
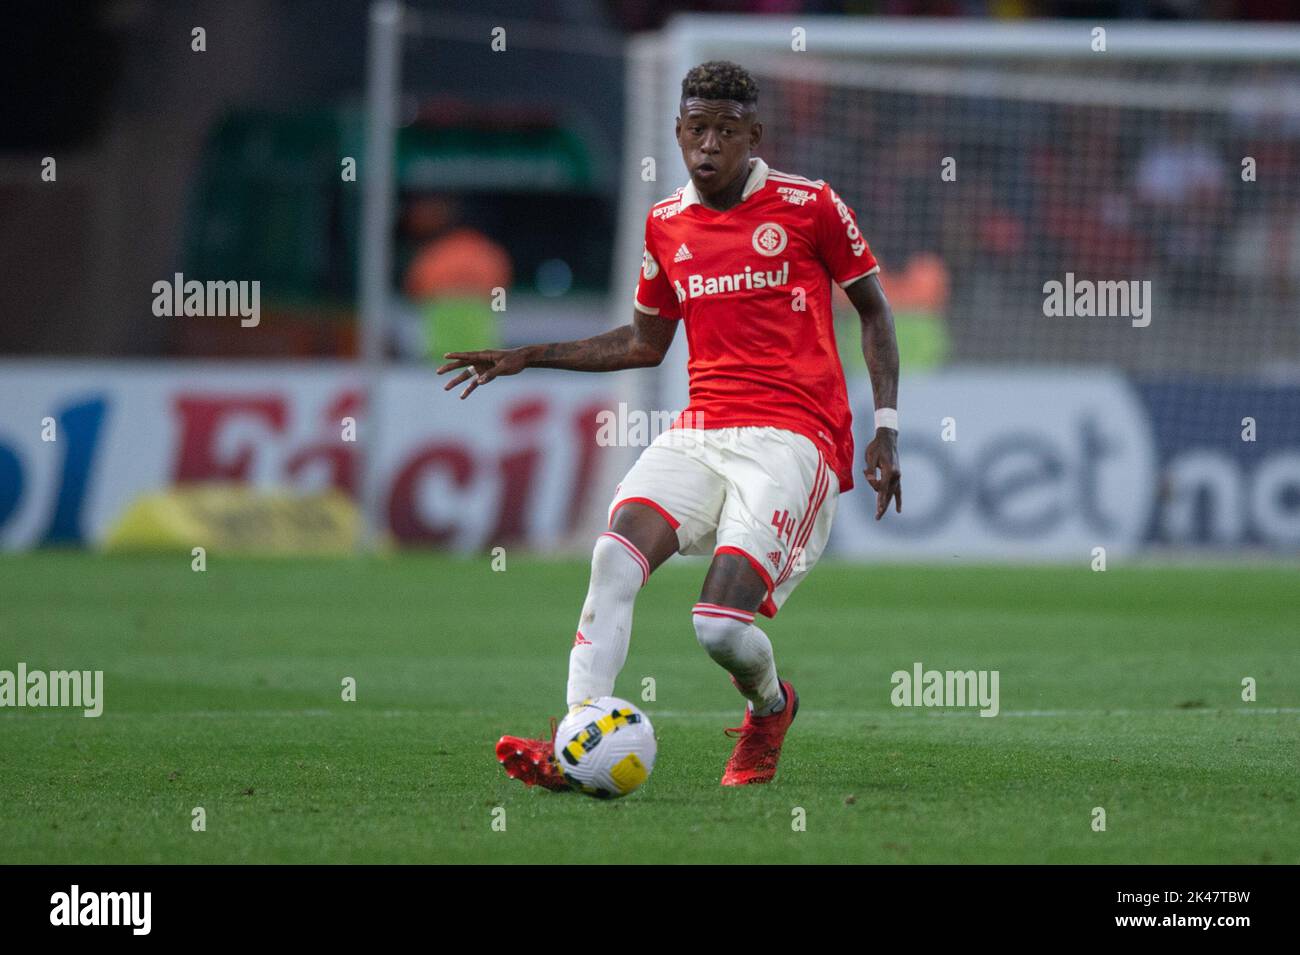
(580, 639)
(682, 254)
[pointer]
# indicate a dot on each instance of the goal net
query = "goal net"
(1053, 197)
(986, 170)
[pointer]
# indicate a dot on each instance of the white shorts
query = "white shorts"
(766, 494)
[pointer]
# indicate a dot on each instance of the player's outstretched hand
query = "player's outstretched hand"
(882, 457)
(486, 365)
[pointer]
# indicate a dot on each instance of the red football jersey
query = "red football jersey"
(753, 285)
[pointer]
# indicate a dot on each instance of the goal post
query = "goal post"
(378, 206)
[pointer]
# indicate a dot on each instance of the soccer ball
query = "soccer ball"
(605, 748)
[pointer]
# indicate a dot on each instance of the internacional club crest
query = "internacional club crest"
(769, 239)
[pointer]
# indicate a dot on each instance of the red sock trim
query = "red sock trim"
(717, 610)
(768, 607)
(636, 554)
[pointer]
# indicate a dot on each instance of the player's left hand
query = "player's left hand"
(882, 457)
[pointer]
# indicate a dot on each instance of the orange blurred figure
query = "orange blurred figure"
(462, 262)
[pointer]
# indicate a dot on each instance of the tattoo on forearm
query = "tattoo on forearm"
(606, 352)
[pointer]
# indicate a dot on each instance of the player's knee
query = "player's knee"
(617, 563)
(720, 636)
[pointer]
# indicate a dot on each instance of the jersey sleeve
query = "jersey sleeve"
(654, 293)
(840, 243)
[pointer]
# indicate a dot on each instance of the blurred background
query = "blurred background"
(988, 148)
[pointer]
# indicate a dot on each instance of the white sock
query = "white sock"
(744, 651)
(618, 572)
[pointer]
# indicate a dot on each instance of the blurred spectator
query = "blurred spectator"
(1084, 212)
(1264, 254)
(1180, 171)
(1181, 184)
(918, 295)
(453, 274)
(1267, 103)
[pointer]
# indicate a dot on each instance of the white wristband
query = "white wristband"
(887, 418)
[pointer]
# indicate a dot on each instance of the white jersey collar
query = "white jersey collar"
(757, 177)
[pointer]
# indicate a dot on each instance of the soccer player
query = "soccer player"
(752, 470)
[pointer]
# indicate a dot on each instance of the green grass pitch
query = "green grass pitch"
(1119, 690)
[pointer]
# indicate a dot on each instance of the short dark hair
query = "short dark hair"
(720, 79)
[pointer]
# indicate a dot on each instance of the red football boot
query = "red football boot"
(531, 761)
(759, 745)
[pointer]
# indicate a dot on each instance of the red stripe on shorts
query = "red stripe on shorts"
(672, 521)
(821, 485)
